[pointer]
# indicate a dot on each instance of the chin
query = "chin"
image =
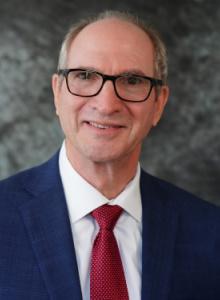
(100, 158)
(102, 155)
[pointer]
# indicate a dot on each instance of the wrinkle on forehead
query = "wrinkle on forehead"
(112, 41)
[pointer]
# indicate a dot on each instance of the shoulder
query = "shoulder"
(184, 201)
(30, 180)
(198, 220)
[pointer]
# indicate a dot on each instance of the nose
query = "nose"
(107, 102)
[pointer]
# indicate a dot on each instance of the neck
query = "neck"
(109, 178)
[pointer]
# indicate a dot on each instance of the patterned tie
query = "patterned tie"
(107, 280)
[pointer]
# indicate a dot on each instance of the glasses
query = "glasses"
(128, 87)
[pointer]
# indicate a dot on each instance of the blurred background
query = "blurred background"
(184, 148)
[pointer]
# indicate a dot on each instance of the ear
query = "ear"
(56, 91)
(160, 103)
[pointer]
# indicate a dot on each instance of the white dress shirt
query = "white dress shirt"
(82, 198)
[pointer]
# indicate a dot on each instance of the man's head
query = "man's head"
(104, 128)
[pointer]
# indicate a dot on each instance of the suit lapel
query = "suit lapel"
(159, 232)
(46, 219)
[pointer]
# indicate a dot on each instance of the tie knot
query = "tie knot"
(107, 216)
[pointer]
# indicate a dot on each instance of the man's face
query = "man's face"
(104, 128)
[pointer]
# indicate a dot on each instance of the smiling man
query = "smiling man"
(105, 119)
(89, 223)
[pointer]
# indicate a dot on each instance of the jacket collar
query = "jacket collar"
(45, 216)
(159, 232)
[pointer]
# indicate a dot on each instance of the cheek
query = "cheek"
(67, 113)
(143, 118)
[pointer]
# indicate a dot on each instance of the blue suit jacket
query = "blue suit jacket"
(181, 253)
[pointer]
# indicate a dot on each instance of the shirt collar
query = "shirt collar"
(82, 198)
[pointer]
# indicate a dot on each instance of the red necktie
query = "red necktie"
(107, 280)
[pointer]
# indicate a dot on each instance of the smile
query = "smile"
(103, 126)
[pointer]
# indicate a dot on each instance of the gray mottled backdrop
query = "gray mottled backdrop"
(183, 149)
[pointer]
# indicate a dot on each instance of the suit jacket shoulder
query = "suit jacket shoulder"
(37, 255)
(169, 192)
(181, 243)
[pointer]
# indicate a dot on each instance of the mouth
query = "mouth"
(104, 126)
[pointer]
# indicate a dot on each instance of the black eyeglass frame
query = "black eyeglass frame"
(154, 82)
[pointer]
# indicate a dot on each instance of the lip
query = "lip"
(104, 127)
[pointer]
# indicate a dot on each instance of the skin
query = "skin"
(107, 158)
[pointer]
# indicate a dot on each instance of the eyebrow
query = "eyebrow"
(133, 71)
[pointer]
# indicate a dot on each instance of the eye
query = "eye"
(132, 80)
(85, 75)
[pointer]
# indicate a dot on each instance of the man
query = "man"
(109, 91)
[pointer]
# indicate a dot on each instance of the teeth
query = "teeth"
(99, 125)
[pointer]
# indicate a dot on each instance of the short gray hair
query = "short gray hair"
(160, 53)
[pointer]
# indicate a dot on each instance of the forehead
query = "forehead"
(112, 45)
